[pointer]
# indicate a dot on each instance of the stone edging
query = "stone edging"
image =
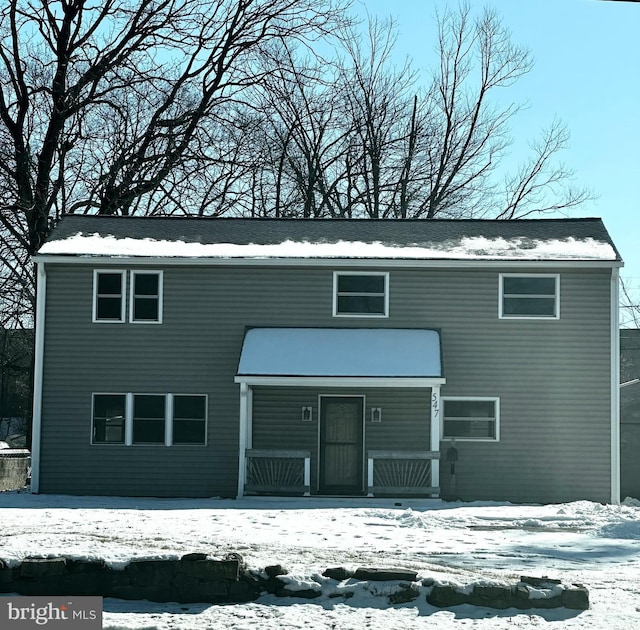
(196, 577)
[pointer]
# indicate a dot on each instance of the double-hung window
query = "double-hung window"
(148, 419)
(360, 294)
(108, 296)
(189, 419)
(145, 304)
(529, 296)
(109, 413)
(471, 419)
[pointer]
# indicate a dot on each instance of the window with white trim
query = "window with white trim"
(108, 296)
(471, 419)
(361, 294)
(145, 304)
(109, 413)
(149, 419)
(524, 296)
(189, 419)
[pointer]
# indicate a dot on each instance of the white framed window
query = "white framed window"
(109, 295)
(149, 419)
(360, 294)
(529, 296)
(189, 419)
(145, 302)
(108, 418)
(470, 419)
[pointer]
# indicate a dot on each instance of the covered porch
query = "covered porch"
(339, 412)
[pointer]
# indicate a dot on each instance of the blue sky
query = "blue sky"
(586, 72)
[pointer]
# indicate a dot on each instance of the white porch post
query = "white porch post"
(435, 434)
(370, 477)
(245, 422)
(249, 436)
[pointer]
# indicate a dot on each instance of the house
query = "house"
(226, 356)
(630, 413)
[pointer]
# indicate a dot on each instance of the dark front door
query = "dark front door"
(341, 453)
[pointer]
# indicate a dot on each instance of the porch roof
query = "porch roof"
(333, 356)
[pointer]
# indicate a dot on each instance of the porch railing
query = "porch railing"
(401, 473)
(278, 472)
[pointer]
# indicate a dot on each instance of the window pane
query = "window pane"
(478, 429)
(145, 309)
(361, 284)
(148, 406)
(150, 431)
(109, 308)
(108, 418)
(469, 409)
(189, 407)
(361, 304)
(189, 432)
(109, 283)
(532, 307)
(146, 284)
(529, 286)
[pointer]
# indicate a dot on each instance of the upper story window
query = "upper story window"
(471, 419)
(146, 297)
(361, 294)
(525, 296)
(108, 296)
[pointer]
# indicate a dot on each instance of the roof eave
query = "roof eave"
(321, 262)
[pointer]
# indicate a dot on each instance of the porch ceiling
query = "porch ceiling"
(381, 356)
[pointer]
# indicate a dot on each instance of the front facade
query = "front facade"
(225, 357)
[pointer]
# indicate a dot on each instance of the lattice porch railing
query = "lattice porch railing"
(401, 473)
(278, 472)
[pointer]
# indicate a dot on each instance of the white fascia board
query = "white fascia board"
(340, 381)
(159, 261)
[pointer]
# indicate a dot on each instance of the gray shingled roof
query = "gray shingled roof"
(397, 233)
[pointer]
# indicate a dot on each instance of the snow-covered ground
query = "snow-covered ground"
(596, 545)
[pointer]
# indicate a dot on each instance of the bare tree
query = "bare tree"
(111, 106)
(477, 59)
(360, 138)
(305, 128)
(629, 306)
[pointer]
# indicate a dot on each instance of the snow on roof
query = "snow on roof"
(343, 352)
(557, 239)
(478, 248)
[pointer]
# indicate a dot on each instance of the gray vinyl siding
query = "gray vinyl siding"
(277, 422)
(552, 377)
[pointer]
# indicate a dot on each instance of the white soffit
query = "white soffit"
(340, 352)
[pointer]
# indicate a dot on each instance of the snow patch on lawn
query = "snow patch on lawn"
(463, 543)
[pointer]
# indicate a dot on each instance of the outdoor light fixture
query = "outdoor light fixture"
(376, 414)
(307, 414)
